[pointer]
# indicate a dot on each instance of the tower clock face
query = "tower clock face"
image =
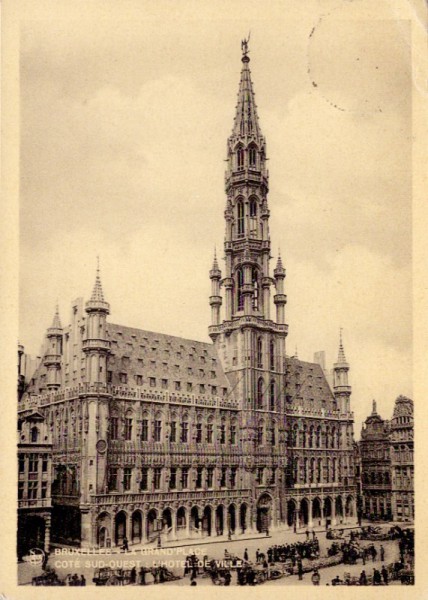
(101, 446)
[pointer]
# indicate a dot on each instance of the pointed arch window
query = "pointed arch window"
(272, 355)
(259, 353)
(240, 217)
(260, 393)
(272, 396)
(252, 154)
(240, 285)
(253, 217)
(256, 288)
(240, 154)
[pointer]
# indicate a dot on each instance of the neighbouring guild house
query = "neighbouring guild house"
(386, 449)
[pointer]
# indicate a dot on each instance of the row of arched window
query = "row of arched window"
(321, 470)
(240, 218)
(255, 283)
(376, 478)
(315, 437)
(260, 363)
(251, 155)
(177, 429)
(262, 388)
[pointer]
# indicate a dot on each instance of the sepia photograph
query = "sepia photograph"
(215, 365)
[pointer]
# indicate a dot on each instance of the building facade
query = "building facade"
(155, 435)
(402, 467)
(34, 482)
(386, 449)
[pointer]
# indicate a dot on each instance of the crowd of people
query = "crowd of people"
(310, 548)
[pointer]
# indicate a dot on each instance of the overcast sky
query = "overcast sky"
(125, 113)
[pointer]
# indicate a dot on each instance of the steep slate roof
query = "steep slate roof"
(149, 354)
(307, 384)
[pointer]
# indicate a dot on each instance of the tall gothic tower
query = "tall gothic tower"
(252, 345)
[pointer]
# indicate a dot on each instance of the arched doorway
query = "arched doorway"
(339, 510)
(136, 525)
(31, 534)
(219, 519)
(166, 520)
(194, 518)
(349, 507)
(327, 511)
(206, 521)
(243, 517)
(181, 521)
(119, 528)
(304, 512)
(291, 513)
(103, 530)
(316, 511)
(231, 518)
(264, 513)
(151, 524)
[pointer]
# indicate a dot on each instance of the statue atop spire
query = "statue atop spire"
(374, 409)
(244, 48)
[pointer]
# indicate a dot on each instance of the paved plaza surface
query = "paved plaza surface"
(173, 557)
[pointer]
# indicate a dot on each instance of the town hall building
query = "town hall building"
(154, 436)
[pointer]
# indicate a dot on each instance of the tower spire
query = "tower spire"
(246, 119)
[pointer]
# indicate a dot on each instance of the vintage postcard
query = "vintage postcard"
(212, 207)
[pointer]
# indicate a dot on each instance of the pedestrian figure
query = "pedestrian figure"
(143, 575)
(363, 578)
(246, 554)
(384, 575)
(82, 580)
(376, 577)
(125, 544)
(316, 577)
(257, 555)
(374, 553)
(307, 534)
(313, 534)
(382, 553)
(267, 531)
(300, 569)
(133, 575)
(229, 535)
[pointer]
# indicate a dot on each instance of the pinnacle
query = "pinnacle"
(56, 323)
(97, 293)
(341, 357)
(374, 411)
(215, 262)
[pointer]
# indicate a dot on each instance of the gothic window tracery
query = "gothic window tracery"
(260, 393)
(240, 285)
(240, 214)
(272, 396)
(259, 353)
(256, 288)
(272, 355)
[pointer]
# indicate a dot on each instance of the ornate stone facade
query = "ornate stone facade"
(155, 435)
(386, 449)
